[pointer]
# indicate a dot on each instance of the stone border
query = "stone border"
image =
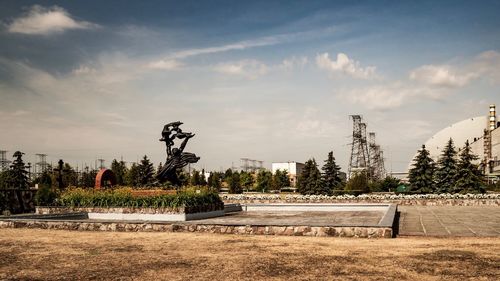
(405, 202)
(316, 231)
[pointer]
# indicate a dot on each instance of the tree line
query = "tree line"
(454, 171)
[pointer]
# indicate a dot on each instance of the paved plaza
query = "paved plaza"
(449, 221)
(345, 218)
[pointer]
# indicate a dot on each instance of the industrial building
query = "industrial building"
(294, 169)
(483, 134)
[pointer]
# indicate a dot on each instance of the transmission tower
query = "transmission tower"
(4, 163)
(101, 164)
(360, 160)
(377, 169)
(42, 165)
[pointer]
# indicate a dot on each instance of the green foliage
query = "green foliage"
(5, 179)
(88, 178)
(132, 176)
(45, 196)
(214, 180)
(280, 180)
(234, 183)
(469, 178)
(203, 180)
(124, 198)
(446, 170)
(196, 178)
(388, 184)
(331, 176)
(146, 172)
(358, 182)
(44, 179)
(310, 181)
(264, 180)
(421, 176)
(120, 171)
(246, 180)
(18, 176)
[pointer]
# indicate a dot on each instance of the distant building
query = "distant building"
(483, 134)
(293, 168)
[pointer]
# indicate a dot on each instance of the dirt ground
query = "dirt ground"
(34, 254)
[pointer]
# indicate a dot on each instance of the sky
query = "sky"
(267, 80)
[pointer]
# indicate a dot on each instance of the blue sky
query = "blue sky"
(267, 80)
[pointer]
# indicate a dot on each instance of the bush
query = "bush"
(45, 196)
(190, 200)
(358, 181)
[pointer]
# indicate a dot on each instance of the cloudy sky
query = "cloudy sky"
(273, 81)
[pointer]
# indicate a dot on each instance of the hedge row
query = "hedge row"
(124, 198)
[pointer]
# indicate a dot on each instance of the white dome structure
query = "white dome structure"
(469, 129)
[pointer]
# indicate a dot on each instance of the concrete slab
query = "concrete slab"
(455, 221)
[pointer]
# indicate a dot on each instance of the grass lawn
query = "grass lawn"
(69, 255)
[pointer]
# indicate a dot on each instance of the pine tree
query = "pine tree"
(310, 181)
(132, 178)
(203, 180)
(18, 174)
(469, 178)
(195, 178)
(214, 180)
(146, 171)
(446, 170)
(331, 176)
(421, 176)
(234, 183)
(120, 170)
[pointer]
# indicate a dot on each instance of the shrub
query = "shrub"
(358, 181)
(190, 200)
(45, 196)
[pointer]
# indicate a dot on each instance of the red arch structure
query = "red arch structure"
(105, 178)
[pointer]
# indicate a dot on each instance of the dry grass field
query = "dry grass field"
(33, 254)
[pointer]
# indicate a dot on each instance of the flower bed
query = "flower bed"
(188, 202)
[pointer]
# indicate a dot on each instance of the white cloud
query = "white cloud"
(294, 62)
(488, 64)
(441, 76)
(165, 64)
(44, 21)
(248, 68)
(389, 96)
(345, 65)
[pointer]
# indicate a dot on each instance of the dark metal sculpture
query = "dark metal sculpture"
(176, 157)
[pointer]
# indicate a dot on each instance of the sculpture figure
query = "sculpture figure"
(176, 157)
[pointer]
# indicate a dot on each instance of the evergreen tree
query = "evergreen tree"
(120, 170)
(469, 178)
(195, 178)
(421, 176)
(18, 175)
(264, 180)
(203, 180)
(234, 183)
(310, 179)
(280, 180)
(446, 170)
(331, 176)
(132, 177)
(69, 176)
(146, 171)
(214, 180)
